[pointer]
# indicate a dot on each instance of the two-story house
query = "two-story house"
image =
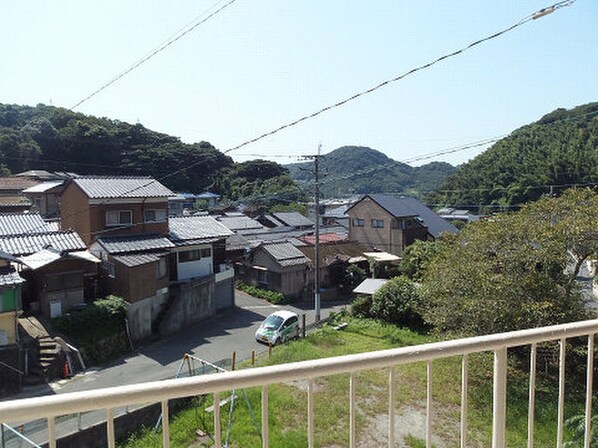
(389, 223)
(102, 206)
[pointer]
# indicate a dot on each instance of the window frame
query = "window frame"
(358, 222)
(155, 211)
(377, 223)
(118, 214)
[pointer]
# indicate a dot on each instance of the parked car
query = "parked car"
(279, 326)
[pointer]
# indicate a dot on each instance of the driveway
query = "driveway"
(213, 340)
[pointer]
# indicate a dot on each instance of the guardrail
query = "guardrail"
(162, 391)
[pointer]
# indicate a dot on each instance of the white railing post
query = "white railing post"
(352, 440)
(464, 402)
(165, 425)
(392, 386)
(52, 431)
(265, 427)
(499, 398)
(217, 427)
(429, 406)
(561, 410)
(310, 414)
(110, 428)
(531, 411)
(589, 387)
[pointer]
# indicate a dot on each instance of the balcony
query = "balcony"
(107, 400)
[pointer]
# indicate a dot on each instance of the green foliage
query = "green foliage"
(545, 157)
(416, 256)
(274, 297)
(362, 306)
(103, 320)
(360, 170)
(515, 271)
(354, 275)
(397, 302)
(290, 207)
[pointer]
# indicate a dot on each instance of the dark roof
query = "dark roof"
(332, 252)
(21, 223)
(19, 245)
(135, 243)
(136, 259)
(412, 208)
(110, 187)
(9, 277)
(196, 228)
(293, 219)
(285, 254)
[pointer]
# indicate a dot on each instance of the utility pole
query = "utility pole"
(316, 159)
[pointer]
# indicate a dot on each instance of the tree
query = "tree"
(514, 271)
(416, 256)
(397, 302)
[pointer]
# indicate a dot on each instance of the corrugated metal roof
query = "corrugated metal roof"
(240, 222)
(100, 187)
(19, 245)
(10, 277)
(369, 286)
(136, 259)
(21, 223)
(44, 186)
(285, 254)
(237, 242)
(14, 201)
(293, 219)
(187, 228)
(135, 243)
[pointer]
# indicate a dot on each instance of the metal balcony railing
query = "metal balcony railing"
(50, 407)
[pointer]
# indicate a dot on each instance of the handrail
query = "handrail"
(157, 391)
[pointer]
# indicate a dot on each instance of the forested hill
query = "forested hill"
(557, 151)
(57, 139)
(358, 169)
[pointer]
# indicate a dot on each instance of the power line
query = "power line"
(355, 96)
(153, 53)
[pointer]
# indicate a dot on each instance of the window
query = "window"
(190, 255)
(109, 268)
(378, 223)
(119, 218)
(358, 222)
(161, 267)
(206, 253)
(37, 202)
(155, 215)
(262, 276)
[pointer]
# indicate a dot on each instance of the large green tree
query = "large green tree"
(516, 270)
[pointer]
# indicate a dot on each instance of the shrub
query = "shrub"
(274, 297)
(397, 302)
(362, 306)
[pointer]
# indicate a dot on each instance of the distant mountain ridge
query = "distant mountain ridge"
(543, 158)
(360, 170)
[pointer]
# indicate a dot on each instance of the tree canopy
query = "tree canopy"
(558, 151)
(515, 270)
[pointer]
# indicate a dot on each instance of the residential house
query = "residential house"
(112, 206)
(389, 223)
(210, 198)
(278, 266)
(11, 193)
(294, 219)
(45, 197)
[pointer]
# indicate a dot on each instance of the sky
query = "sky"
(257, 65)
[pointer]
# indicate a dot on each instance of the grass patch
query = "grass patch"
(288, 401)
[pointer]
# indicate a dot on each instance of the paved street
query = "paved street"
(212, 340)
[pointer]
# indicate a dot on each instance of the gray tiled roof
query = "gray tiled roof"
(19, 245)
(100, 187)
(411, 207)
(134, 243)
(285, 254)
(240, 222)
(136, 259)
(293, 219)
(195, 228)
(21, 223)
(9, 277)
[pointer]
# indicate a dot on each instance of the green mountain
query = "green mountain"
(558, 151)
(359, 170)
(57, 139)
